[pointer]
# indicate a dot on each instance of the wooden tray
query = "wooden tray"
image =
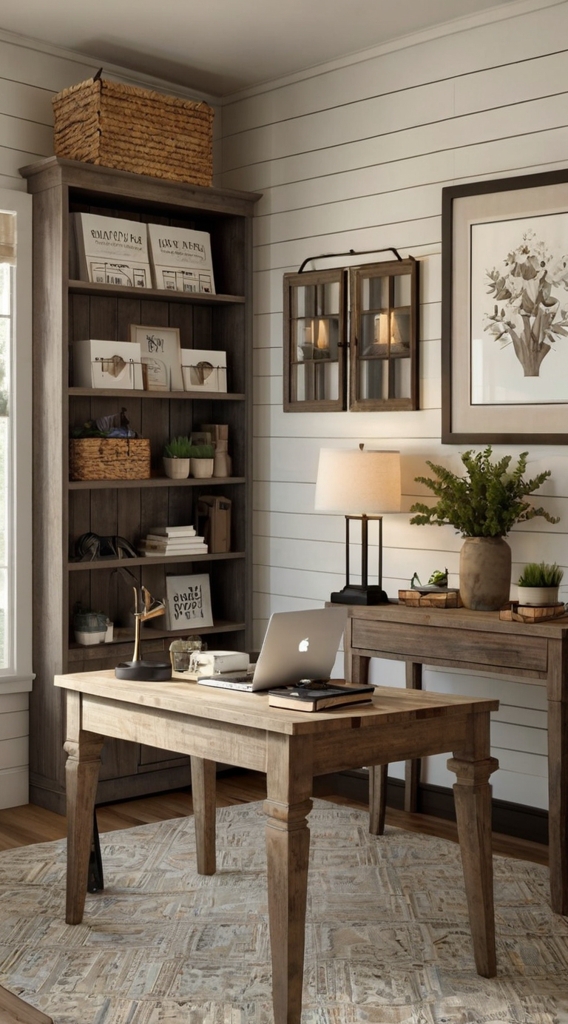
(527, 613)
(440, 599)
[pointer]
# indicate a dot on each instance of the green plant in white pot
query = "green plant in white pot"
(538, 584)
(202, 460)
(177, 455)
(483, 505)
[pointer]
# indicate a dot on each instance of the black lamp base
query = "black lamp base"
(144, 671)
(359, 594)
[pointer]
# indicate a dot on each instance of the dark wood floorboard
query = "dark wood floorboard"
(22, 826)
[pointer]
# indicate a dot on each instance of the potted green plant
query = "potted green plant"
(177, 455)
(202, 459)
(538, 583)
(483, 505)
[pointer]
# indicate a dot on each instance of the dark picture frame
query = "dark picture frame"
(505, 310)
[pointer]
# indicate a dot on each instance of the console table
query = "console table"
(291, 747)
(474, 641)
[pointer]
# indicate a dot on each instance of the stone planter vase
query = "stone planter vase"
(202, 467)
(537, 597)
(176, 469)
(485, 573)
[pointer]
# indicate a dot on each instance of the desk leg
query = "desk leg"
(412, 768)
(203, 783)
(378, 774)
(82, 776)
(558, 777)
(287, 805)
(472, 794)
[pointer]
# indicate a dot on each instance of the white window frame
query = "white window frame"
(18, 676)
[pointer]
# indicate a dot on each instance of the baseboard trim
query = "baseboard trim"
(509, 819)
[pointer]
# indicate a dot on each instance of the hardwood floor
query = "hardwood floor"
(22, 826)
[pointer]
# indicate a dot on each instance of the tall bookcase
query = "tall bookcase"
(66, 310)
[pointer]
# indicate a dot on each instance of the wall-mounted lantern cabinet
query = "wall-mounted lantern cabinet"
(314, 341)
(383, 336)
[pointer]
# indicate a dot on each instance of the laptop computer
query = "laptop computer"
(297, 645)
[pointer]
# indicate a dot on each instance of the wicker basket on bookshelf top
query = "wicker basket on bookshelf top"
(109, 458)
(132, 129)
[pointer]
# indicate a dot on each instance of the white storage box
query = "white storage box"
(210, 663)
(203, 370)
(107, 364)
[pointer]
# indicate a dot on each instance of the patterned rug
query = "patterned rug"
(387, 932)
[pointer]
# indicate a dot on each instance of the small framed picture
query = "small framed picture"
(188, 602)
(160, 356)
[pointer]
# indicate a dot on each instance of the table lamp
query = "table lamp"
(361, 484)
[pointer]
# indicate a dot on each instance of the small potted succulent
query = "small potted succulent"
(538, 584)
(202, 459)
(177, 455)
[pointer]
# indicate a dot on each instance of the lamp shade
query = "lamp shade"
(358, 481)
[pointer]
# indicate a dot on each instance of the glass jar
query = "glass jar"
(180, 652)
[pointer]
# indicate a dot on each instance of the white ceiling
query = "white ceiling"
(220, 47)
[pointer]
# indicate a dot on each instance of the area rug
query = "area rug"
(387, 938)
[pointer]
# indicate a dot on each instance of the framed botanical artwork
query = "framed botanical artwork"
(160, 355)
(505, 311)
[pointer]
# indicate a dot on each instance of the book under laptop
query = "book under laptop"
(297, 645)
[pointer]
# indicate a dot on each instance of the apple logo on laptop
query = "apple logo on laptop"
(303, 645)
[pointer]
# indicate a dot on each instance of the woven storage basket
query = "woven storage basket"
(109, 458)
(132, 129)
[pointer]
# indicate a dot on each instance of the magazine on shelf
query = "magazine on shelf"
(181, 259)
(172, 531)
(112, 251)
(148, 547)
(183, 540)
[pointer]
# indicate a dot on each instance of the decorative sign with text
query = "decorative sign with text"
(188, 602)
(181, 259)
(112, 251)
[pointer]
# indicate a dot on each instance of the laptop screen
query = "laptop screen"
(299, 645)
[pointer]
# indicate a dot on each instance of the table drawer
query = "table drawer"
(460, 647)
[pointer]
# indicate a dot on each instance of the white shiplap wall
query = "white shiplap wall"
(354, 156)
(30, 74)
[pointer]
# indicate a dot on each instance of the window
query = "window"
(15, 436)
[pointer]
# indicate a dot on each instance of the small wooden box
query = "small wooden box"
(531, 613)
(109, 458)
(443, 599)
(133, 129)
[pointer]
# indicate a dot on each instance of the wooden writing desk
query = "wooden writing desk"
(475, 641)
(291, 748)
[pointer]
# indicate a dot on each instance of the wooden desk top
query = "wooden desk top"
(252, 710)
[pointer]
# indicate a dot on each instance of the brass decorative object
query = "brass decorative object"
(145, 607)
